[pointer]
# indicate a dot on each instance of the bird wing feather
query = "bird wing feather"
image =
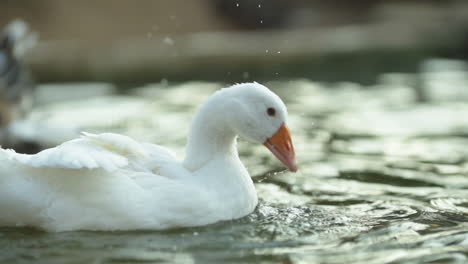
(106, 151)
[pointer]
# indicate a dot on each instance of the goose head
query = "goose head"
(258, 115)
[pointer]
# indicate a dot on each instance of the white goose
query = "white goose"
(111, 182)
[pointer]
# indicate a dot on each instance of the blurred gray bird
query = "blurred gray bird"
(16, 84)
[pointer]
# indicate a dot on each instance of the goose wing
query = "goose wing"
(106, 151)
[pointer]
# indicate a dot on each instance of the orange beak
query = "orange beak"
(280, 144)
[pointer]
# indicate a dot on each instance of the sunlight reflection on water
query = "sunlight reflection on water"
(382, 179)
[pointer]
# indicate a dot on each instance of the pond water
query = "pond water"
(383, 177)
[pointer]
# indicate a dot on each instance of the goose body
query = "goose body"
(112, 182)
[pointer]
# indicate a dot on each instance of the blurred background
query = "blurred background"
(103, 48)
(235, 40)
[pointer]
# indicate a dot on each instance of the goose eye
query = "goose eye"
(271, 111)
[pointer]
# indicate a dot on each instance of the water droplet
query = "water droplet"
(261, 21)
(279, 52)
(168, 41)
(266, 51)
(237, 4)
(259, 6)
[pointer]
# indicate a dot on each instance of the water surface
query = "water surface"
(382, 178)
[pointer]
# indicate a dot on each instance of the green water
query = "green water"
(383, 178)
